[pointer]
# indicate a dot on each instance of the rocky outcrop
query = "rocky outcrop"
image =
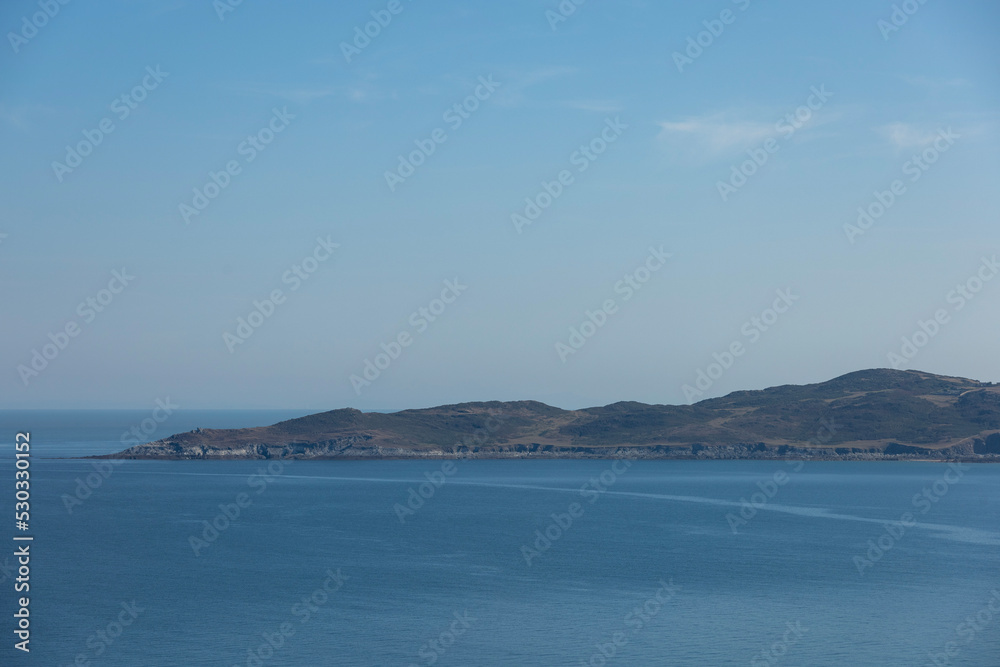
(988, 445)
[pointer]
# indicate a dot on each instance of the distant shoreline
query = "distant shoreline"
(872, 415)
(623, 455)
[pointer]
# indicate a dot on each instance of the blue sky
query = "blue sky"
(888, 96)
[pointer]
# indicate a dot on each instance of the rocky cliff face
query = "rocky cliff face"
(870, 415)
(974, 450)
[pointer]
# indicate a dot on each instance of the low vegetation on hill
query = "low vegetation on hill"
(873, 414)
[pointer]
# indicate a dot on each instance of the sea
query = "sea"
(527, 562)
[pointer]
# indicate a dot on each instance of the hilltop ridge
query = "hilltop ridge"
(865, 415)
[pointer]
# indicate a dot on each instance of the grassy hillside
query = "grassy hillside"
(874, 410)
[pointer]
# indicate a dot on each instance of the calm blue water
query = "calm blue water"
(651, 562)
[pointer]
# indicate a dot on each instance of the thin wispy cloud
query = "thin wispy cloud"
(936, 83)
(20, 116)
(298, 95)
(330, 60)
(303, 95)
(515, 86)
(909, 135)
(11, 116)
(596, 106)
(160, 7)
(730, 132)
(716, 133)
(357, 95)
